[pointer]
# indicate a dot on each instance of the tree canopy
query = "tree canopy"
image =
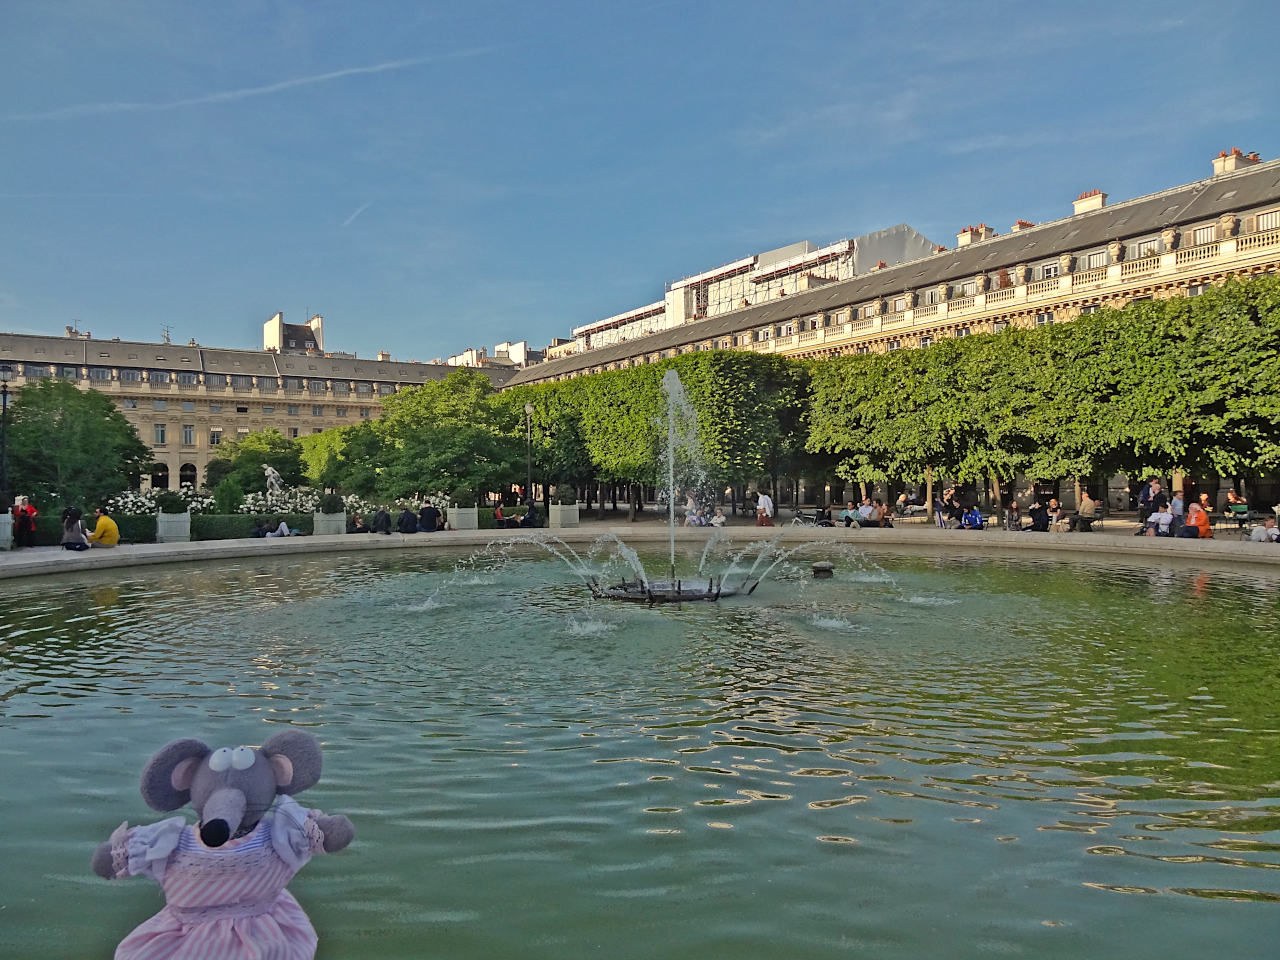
(71, 447)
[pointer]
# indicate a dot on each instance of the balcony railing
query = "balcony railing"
(1042, 286)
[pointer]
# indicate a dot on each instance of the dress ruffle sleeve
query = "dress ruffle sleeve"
(295, 835)
(143, 851)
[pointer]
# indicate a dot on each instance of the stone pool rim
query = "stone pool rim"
(51, 561)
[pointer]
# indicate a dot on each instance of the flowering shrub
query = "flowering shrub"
(289, 500)
(136, 503)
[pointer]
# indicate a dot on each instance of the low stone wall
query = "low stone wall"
(1094, 546)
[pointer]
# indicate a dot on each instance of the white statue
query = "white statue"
(274, 480)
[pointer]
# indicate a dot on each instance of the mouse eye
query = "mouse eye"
(220, 759)
(242, 758)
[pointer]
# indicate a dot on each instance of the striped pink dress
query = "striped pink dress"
(222, 903)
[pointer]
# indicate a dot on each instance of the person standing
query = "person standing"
(764, 510)
(24, 523)
(1177, 507)
(105, 532)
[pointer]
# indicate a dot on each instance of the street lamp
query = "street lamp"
(5, 501)
(528, 451)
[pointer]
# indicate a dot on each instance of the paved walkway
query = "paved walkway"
(47, 561)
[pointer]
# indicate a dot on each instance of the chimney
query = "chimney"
(1228, 161)
(1021, 225)
(1093, 199)
(384, 356)
(973, 234)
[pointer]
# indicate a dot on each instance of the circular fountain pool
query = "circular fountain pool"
(964, 758)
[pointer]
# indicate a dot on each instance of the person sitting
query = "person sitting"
(499, 518)
(879, 515)
(1267, 533)
(1057, 515)
(260, 528)
(407, 522)
(1085, 514)
(718, 518)
(530, 518)
(822, 517)
(694, 518)
(281, 530)
(972, 519)
(356, 524)
(73, 535)
(105, 532)
(1012, 518)
(1040, 518)
(900, 505)
(1160, 523)
(849, 514)
(382, 521)
(429, 518)
(1238, 509)
(1197, 524)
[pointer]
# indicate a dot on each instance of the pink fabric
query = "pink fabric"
(223, 903)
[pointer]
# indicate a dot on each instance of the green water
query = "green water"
(919, 758)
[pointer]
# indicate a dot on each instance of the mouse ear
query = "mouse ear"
(166, 779)
(295, 757)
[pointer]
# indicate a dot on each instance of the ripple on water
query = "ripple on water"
(498, 741)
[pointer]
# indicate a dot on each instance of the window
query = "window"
(188, 433)
(962, 331)
(317, 411)
(1044, 319)
(895, 345)
(899, 304)
(364, 388)
(311, 344)
(1196, 289)
(187, 378)
(386, 388)
(158, 376)
(293, 409)
(268, 409)
(968, 288)
(1269, 220)
(293, 433)
(863, 349)
(160, 404)
(215, 408)
(1048, 271)
(341, 386)
(364, 412)
(69, 373)
(293, 343)
(242, 408)
(159, 433)
(316, 430)
(215, 436)
(1146, 248)
(188, 406)
(926, 341)
(215, 379)
(1096, 260)
(99, 373)
(1088, 309)
(241, 382)
(130, 376)
(129, 403)
(339, 411)
(292, 383)
(1204, 234)
(242, 431)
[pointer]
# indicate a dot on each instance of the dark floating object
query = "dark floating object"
(823, 570)
(665, 591)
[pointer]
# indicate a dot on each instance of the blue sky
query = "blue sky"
(434, 176)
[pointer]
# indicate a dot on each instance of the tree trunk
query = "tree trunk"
(631, 502)
(928, 492)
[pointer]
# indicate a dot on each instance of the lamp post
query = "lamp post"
(5, 500)
(528, 451)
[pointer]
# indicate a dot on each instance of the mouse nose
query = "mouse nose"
(215, 833)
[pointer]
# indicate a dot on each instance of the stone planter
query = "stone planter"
(173, 527)
(464, 518)
(564, 515)
(6, 530)
(328, 524)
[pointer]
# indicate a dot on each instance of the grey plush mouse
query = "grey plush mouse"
(224, 879)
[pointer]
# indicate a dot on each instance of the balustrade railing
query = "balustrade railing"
(1136, 268)
(1254, 241)
(1206, 251)
(1000, 296)
(1043, 286)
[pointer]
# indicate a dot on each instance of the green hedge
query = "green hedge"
(132, 529)
(233, 526)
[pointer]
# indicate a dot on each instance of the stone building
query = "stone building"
(186, 400)
(1171, 243)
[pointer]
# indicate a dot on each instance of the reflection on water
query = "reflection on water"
(1023, 758)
